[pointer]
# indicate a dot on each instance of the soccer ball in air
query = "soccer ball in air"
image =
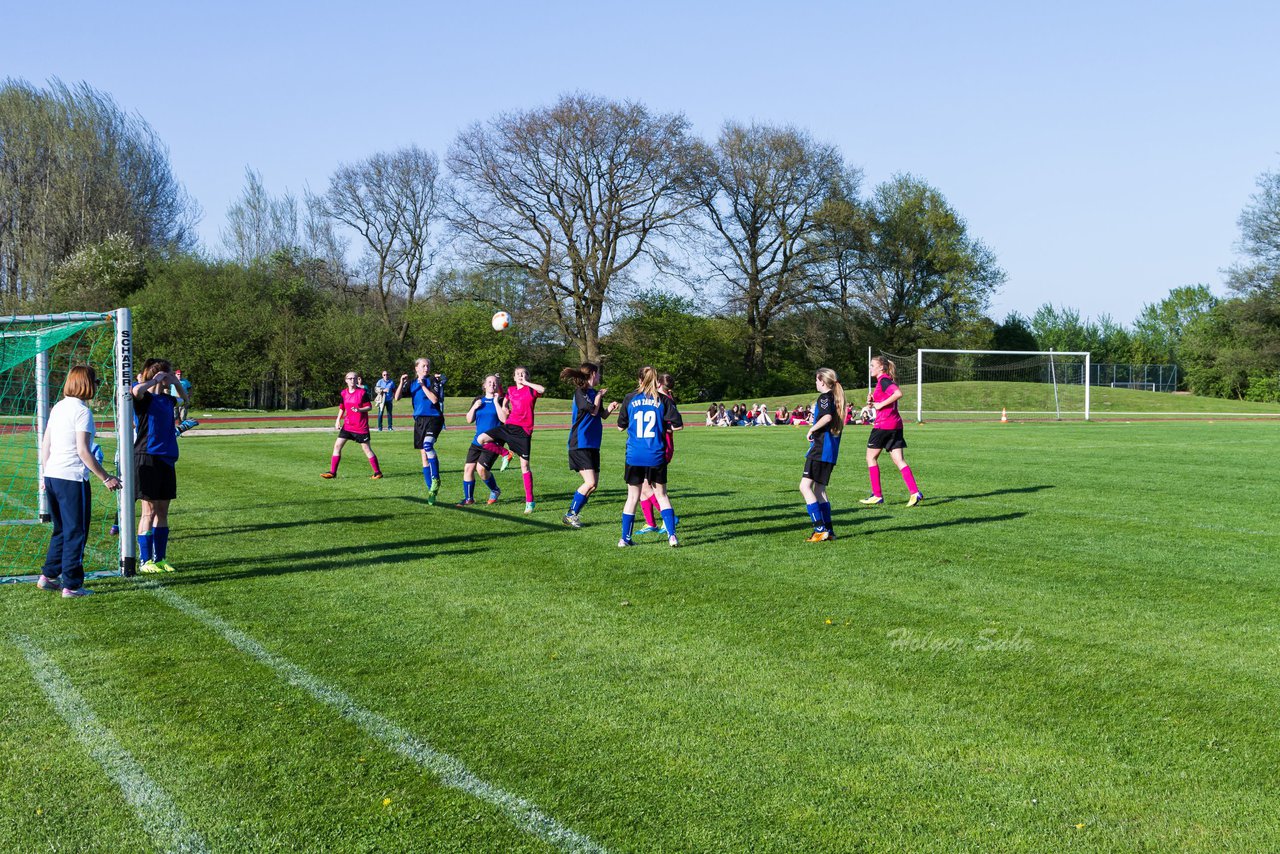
(501, 320)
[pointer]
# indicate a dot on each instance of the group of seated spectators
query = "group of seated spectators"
(741, 415)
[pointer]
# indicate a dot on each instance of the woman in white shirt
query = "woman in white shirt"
(66, 457)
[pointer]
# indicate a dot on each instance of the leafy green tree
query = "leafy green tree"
(1014, 334)
(1160, 327)
(907, 262)
(665, 331)
(100, 276)
(461, 344)
(1233, 349)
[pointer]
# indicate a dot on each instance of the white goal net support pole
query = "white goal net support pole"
(124, 442)
(1050, 355)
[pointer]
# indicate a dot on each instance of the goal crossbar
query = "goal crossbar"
(1088, 358)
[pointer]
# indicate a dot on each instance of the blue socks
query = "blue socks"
(628, 519)
(426, 476)
(468, 489)
(145, 546)
(825, 508)
(162, 542)
(579, 501)
(815, 514)
(669, 522)
(433, 465)
(492, 483)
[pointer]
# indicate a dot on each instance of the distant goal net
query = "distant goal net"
(36, 353)
(961, 385)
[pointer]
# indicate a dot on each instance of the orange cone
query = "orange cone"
(1004, 415)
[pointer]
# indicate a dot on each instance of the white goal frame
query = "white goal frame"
(122, 320)
(1088, 363)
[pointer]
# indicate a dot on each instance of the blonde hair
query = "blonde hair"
(887, 366)
(82, 382)
(648, 381)
(828, 377)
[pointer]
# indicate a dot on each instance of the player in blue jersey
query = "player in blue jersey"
(484, 414)
(584, 434)
(647, 415)
(427, 392)
(824, 449)
(155, 452)
(648, 501)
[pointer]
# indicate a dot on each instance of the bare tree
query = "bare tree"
(760, 201)
(259, 224)
(573, 194)
(74, 169)
(391, 201)
(1259, 240)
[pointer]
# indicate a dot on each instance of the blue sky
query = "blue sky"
(1103, 151)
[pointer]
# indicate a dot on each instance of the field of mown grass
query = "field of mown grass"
(1065, 648)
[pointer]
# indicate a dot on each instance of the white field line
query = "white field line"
(158, 813)
(447, 769)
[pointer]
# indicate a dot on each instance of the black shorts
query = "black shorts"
(818, 471)
(362, 438)
(480, 456)
(516, 440)
(424, 426)
(636, 475)
(886, 440)
(584, 459)
(157, 479)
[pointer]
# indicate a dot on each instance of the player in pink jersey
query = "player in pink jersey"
(353, 426)
(886, 431)
(516, 431)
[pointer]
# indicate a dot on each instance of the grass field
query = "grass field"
(1070, 646)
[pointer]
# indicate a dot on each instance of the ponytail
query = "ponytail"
(647, 382)
(581, 374)
(828, 377)
(887, 366)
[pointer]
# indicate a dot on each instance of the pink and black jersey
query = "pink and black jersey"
(353, 419)
(887, 418)
(521, 400)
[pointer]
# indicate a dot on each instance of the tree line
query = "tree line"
(610, 232)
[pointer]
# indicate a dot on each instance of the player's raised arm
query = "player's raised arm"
(400, 386)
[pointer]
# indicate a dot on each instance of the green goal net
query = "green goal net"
(36, 353)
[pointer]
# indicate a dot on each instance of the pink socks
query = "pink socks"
(333, 464)
(911, 481)
(873, 472)
(528, 486)
(647, 507)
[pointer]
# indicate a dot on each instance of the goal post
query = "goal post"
(1055, 369)
(36, 353)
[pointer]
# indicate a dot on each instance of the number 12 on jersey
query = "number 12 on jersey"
(646, 421)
